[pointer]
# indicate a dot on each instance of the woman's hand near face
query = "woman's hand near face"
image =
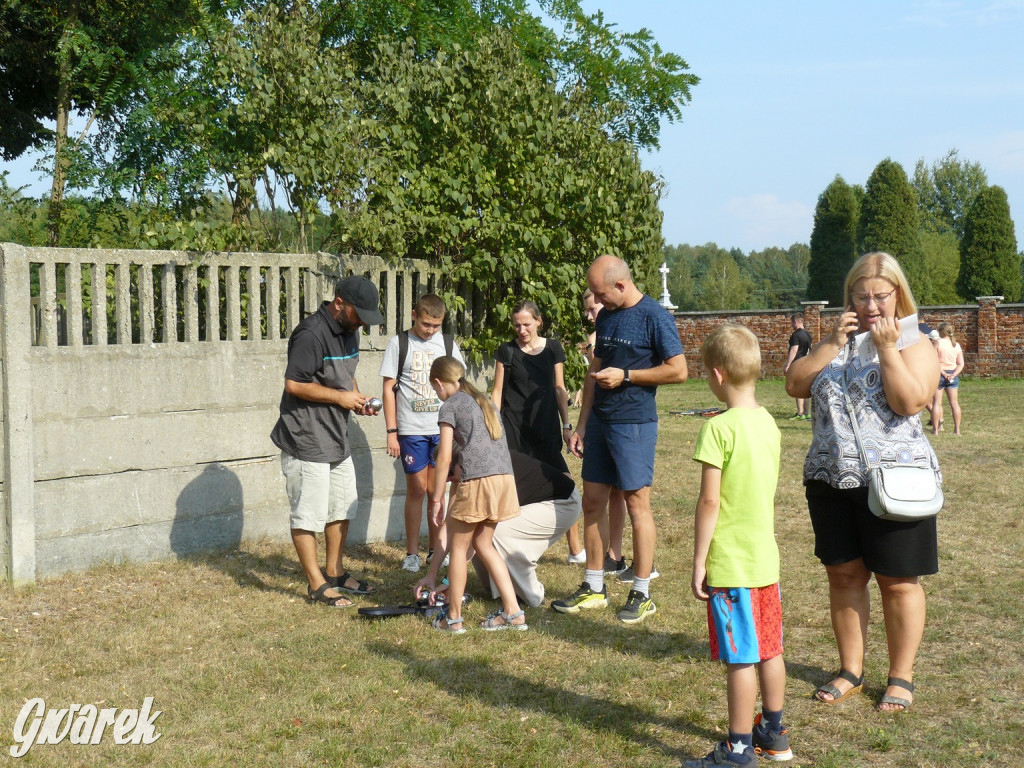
(885, 332)
(846, 324)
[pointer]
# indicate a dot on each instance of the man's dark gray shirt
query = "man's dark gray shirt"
(321, 351)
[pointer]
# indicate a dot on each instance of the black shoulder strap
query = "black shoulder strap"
(403, 350)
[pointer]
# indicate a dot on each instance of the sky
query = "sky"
(793, 93)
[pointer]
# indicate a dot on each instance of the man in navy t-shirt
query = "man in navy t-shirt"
(636, 349)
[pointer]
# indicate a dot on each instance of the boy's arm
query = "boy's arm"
(390, 400)
(704, 527)
(441, 466)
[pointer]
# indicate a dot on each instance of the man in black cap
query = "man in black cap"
(312, 432)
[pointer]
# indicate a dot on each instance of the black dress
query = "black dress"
(529, 409)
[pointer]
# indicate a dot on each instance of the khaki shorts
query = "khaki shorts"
(492, 499)
(319, 493)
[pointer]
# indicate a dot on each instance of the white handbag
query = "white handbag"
(900, 492)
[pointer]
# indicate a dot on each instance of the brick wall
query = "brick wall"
(992, 335)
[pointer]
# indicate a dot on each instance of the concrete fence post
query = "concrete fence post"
(18, 527)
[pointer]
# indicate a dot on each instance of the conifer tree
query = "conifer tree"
(989, 262)
(833, 242)
(889, 222)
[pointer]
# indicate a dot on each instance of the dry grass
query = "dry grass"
(247, 673)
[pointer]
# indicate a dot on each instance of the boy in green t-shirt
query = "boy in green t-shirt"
(735, 557)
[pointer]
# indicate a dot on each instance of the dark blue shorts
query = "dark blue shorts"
(417, 452)
(619, 454)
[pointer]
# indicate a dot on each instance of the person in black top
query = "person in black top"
(529, 389)
(799, 345)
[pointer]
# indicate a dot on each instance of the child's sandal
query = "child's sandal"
(490, 624)
(442, 623)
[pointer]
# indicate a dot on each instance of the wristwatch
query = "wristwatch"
(567, 426)
(393, 431)
(625, 379)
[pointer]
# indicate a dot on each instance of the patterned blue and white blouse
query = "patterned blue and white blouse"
(888, 437)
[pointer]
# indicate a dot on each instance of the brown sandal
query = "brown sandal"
(835, 693)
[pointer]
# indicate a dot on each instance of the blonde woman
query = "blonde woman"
(888, 387)
(951, 363)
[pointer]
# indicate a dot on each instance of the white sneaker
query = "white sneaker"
(579, 557)
(411, 563)
(444, 562)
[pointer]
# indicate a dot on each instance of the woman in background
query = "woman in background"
(951, 363)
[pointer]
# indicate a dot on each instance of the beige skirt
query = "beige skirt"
(492, 499)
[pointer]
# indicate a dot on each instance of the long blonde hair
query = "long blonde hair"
(946, 330)
(881, 264)
(450, 371)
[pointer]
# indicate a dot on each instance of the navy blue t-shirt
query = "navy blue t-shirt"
(633, 338)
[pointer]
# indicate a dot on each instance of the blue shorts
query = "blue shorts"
(944, 384)
(619, 454)
(417, 452)
(745, 623)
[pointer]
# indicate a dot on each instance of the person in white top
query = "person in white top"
(951, 363)
(410, 414)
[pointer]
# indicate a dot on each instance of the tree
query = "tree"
(946, 190)
(833, 242)
(479, 165)
(68, 55)
(989, 262)
(626, 74)
(942, 256)
(889, 222)
(723, 286)
(778, 277)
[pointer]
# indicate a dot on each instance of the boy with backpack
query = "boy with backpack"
(410, 414)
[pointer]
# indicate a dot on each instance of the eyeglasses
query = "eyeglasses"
(880, 299)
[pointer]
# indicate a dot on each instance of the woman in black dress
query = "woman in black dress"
(529, 390)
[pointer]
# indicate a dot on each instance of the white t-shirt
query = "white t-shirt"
(416, 402)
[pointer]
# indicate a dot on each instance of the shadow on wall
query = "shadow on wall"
(208, 513)
(368, 486)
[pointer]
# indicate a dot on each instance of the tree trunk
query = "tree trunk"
(61, 161)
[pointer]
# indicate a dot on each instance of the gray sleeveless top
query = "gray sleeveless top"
(888, 437)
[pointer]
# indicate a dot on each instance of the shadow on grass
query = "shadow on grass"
(473, 678)
(251, 570)
(633, 640)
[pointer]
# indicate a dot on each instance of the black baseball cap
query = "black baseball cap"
(361, 294)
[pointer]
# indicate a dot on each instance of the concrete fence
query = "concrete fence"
(139, 389)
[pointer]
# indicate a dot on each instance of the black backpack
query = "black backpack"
(403, 350)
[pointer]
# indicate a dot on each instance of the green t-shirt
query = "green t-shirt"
(745, 444)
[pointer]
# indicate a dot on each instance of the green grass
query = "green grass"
(247, 673)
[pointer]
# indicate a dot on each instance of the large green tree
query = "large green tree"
(833, 242)
(945, 191)
(626, 74)
(60, 56)
(484, 168)
(989, 262)
(889, 222)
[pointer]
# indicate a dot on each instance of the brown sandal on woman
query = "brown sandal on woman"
(835, 693)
